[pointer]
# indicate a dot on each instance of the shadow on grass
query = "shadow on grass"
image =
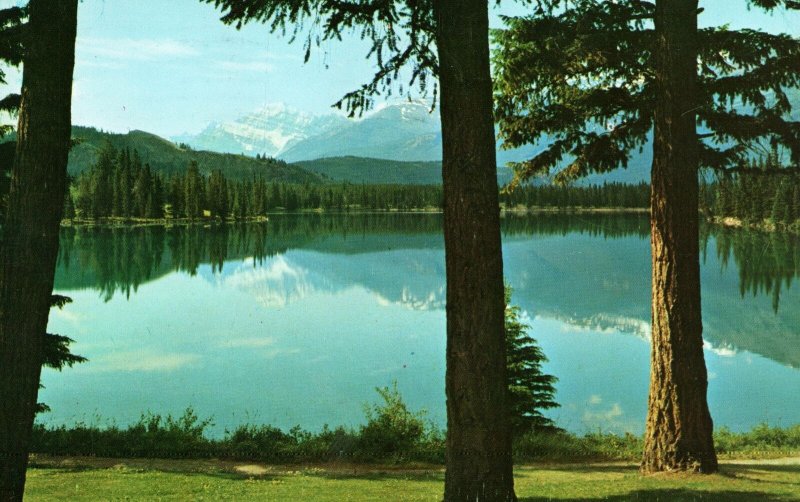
(676, 495)
(239, 470)
(579, 468)
(762, 467)
(754, 474)
(209, 468)
(380, 475)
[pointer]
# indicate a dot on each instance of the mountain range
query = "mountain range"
(403, 132)
(168, 158)
(397, 143)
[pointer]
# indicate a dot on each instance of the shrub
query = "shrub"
(391, 431)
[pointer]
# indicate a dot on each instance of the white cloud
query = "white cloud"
(274, 353)
(247, 66)
(103, 50)
(254, 342)
(720, 351)
(67, 315)
(595, 399)
(292, 55)
(139, 361)
(608, 416)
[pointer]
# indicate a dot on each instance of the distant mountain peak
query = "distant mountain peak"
(269, 130)
(400, 130)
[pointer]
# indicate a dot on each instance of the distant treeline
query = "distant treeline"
(120, 185)
(608, 195)
(756, 196)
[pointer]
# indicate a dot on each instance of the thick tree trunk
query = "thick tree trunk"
(479, 466)
(30, 231)
(679, 427)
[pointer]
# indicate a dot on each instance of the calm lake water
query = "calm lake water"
(297, 320)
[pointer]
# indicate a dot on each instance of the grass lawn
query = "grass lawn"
(114, 479)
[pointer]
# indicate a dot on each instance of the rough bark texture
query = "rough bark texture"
(30, 231)
(679, 426)
(478, 460)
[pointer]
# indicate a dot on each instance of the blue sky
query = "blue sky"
(171, 67)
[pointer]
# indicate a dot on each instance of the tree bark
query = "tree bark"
(478, 458)
(30, 231)
(679, 427)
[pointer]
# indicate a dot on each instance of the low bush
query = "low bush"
(762, 440)
(392, 433)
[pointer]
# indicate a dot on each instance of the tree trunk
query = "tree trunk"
(478, 459)
(30, 232)
(679, 426)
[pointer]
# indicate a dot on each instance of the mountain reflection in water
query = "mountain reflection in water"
(575, 276)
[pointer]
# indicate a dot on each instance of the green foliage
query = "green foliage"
(117, 185)
(391, 431)
(120, 185)
(530, 390)
(580, 82)
(151, 436)
(608, 195)
(155, 436)
(12, 22)
(563, 446)
(762, 440)
(55, 349)
(57, 354)
(758, 195)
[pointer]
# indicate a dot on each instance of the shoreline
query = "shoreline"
(765, 226)
(118, 222)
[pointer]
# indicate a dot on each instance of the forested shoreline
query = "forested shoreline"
(122, 190)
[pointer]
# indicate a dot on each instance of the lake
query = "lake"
(295, 321)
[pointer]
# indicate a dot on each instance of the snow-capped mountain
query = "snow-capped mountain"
(271, 130)
(404, 131)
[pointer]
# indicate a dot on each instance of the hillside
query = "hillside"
(381, 171)
(167, 158)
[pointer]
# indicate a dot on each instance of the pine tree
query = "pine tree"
(69, 206)
(31, 226)
(579, 81)
(177, 196)
(796, 199)
(782, 203)
(55, 349)
(142, 192)
(596, 79)
(102, 182)
(448, 39)
(530, 389)
(192, 193)
(156, 199)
